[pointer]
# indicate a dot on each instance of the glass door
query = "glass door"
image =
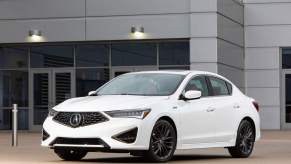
(47, 89)
(286, 98)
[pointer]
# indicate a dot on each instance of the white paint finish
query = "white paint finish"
(268, 13)
(203, 5)
(270, 117)
(268, 36)
(19, 9)
(230, 31)
(210, 67)
(156, 27)
(231, 9)
(136, 7)
(263, 78)
(203, 50)
(53, 30)
(265, 96)
(230, 54)
(233, 74)
(203, 24)
(262, 58)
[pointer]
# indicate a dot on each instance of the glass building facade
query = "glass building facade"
(40, 76)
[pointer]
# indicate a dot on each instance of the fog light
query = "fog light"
(45, 135)
(128, 136)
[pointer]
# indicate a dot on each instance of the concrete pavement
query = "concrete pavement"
(273, 148)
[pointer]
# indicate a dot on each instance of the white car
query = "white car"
(152, 114)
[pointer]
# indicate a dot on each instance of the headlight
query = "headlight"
(52, 113)
(135, 113)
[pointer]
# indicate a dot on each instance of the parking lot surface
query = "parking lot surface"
(274, 147)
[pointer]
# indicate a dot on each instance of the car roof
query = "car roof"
(181, 72)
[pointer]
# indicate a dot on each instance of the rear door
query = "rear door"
(225, 109)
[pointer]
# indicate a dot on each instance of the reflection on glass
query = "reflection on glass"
(13, 88)
(13, 57)
(286, 58)
(92, 55)
(174, 53)
(52, 56)
(63, 87)
(134, 54)
(175, 68)
(90, 79)
(6, 122)
(40, 97)
(288, 97)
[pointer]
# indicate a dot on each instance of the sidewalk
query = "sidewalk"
(274, 147)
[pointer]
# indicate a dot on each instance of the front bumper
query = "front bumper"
(103, 131)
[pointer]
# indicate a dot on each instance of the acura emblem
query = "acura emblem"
(76, 120)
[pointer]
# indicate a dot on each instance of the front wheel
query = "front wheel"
(70, 155)
(163, 142)
(244, 142)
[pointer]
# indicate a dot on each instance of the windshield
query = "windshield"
(146, 84)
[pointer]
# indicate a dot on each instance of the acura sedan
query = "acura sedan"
(154, 113)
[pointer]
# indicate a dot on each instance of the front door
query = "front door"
(286, 99)
(48, 87)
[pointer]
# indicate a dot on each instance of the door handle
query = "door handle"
(210, 109)
(236, 106)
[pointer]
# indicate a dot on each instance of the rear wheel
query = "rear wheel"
(70, 155)
(163, 142)
(244, 142)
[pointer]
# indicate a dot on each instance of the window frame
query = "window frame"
(227, 84)
(193, 77)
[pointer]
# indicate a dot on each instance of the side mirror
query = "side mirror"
(192, 94)
(92, 93)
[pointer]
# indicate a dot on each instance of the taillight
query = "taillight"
(256, 105)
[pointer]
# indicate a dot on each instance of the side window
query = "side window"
(219, 86)
(229, 87)
(198, 83)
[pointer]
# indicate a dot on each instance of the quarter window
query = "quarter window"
(219, 86)
(198, 83)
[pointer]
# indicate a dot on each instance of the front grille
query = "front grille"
(79, 141)
(79, 119)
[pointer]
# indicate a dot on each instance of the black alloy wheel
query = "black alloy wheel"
(245, 141)
(163, 142)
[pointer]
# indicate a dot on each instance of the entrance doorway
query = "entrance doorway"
(48, 87)
(286, 98)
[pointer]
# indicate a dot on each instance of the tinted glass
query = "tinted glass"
(286, 58)
(144, 84)
(90, 79)
(218, 86)
(131, 54)
(199, 84)
(13, 57)
(13, 88)
(6, 115)
(175, 68)
(92, 55)
(174, 53)
(288, 97)
(52, 56)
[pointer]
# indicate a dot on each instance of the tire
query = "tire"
(162, 143)
(70, 155)
(244, 142)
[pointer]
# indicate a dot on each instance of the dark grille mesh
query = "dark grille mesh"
(88, 118)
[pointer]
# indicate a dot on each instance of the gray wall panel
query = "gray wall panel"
(25, 9)
(262, 58)
(234, 75)
(53, 30)
(203, 49)
(135, 7)
(230, 54)
(203, 24)
(265, 96)
(262, 78)
(118, 28)
(203, 5)
(270, 117)
(231, 9)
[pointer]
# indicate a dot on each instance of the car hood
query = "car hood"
(107, 103)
